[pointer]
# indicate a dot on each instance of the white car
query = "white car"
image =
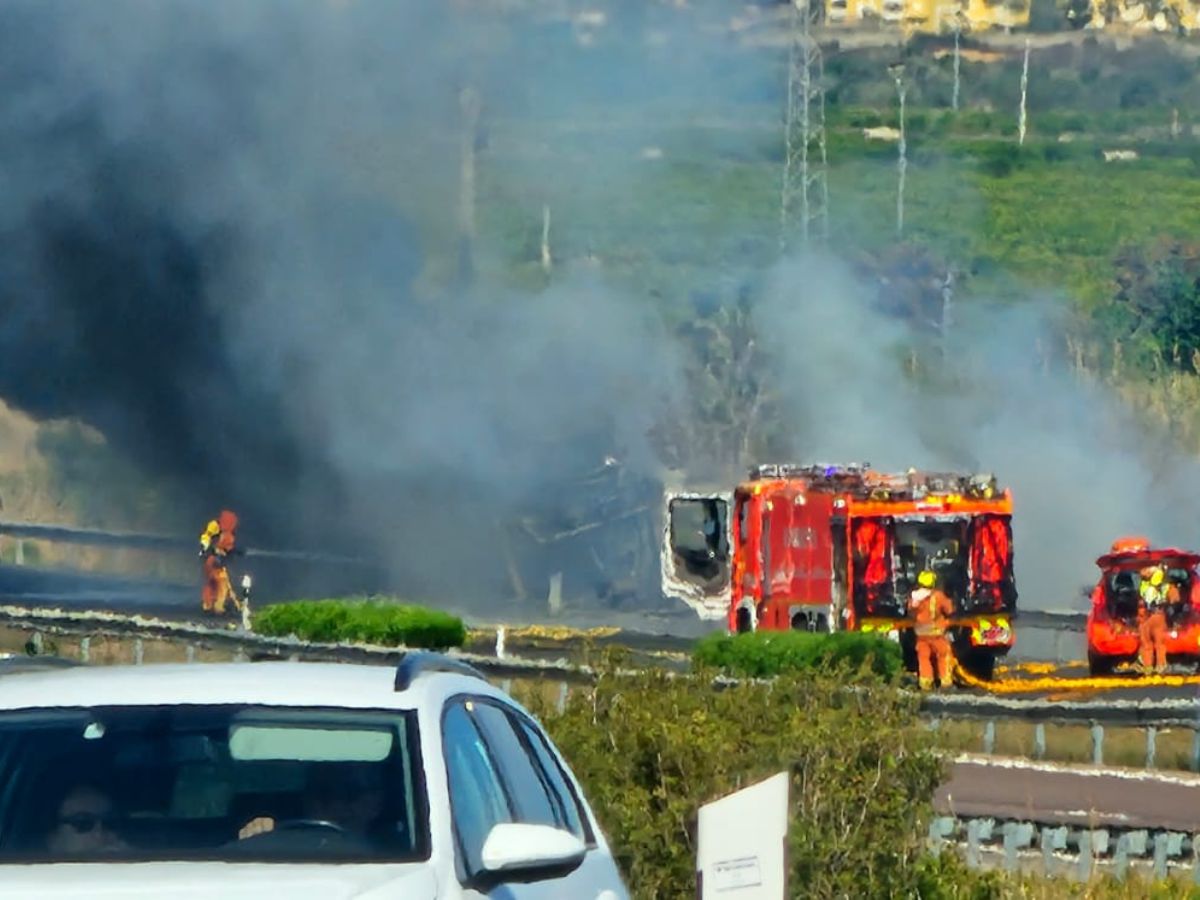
(287, 780)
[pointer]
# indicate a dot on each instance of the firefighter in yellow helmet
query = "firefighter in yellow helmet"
(1152, 621)
(930, 608)
(217, 544)
(208, 535)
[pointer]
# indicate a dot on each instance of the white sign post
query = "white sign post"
(742, 851)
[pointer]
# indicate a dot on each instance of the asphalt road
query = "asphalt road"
(1079, 796)
(75, 591)
(30, 586)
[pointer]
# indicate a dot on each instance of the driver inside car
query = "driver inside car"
(84, 823)
(351, 798)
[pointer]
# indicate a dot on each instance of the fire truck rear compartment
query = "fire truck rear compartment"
(940, 545)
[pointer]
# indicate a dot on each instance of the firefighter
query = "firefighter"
(1152, 621)
(208, 549)
(217, 544)
(931, 607)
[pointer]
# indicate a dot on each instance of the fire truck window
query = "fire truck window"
(698, 535)
(939, 545)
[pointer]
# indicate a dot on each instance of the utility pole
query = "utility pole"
(947, 310)
(804, 160)
(546, 259)
(470, 104)
(957, 62)
(1024, 87)
(902, 162)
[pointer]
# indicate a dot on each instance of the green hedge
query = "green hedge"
(369, 620)
(762, 654)
(651, 748)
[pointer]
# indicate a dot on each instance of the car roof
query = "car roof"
(299, 684)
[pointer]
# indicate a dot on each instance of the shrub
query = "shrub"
(371, 621)
(650, 749)
(762, 654)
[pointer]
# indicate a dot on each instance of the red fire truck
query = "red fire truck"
(839, 547)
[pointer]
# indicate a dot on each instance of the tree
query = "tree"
(730, 417)
(1155, 309)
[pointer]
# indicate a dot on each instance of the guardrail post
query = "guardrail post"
(506, 685)
(1121, 857)
(1195, 859)
(1195, 750)
(989, 737)
(973, 827)
(139, 651)
(85, 648)
(1131, 843)
(940, 829)
(562, 696)
(1085, 855)
(36, 643)
(191, 653)
(19, 553)
(1052, 839)
(1017, 836)
(1010, 846)
(1097, 743)
(1039, 741)
(1151, 734)
(1160, 855)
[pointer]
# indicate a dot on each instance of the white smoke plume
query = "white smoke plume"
(1083, 471)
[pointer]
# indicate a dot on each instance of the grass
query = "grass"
(1051, 214)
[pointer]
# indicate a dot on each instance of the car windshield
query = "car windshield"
(232, 783)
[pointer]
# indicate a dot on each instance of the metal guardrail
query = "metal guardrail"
(1150, 716)
(1066, 620)
(70, 534)
(1065, 850)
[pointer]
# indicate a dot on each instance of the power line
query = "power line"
(804, 199)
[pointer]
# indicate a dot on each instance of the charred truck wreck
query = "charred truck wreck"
(828, 548)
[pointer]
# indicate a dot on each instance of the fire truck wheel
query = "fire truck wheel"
(743, 621)
(980, 663)
(1100, 665)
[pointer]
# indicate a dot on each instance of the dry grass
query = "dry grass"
(1072, 743)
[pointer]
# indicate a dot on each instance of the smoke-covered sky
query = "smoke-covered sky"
(1083, 471)
(213, 221)
(218, 224)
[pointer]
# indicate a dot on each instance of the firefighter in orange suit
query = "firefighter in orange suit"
(217, 544)
(1152, 621)
(930, 608)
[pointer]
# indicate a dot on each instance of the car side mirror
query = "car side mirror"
(520, 852)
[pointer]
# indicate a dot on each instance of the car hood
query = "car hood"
(229, 881)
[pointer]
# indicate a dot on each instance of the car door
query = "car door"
(499, 769)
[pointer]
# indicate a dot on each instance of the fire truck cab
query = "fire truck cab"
(1114, 618)
(827, 548)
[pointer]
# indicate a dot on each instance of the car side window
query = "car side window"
(527, 786)
(573, 819)
(477, 796)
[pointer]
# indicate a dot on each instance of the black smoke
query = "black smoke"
(213, 222)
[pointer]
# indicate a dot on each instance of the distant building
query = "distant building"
(930, 16)
(1160, 16)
